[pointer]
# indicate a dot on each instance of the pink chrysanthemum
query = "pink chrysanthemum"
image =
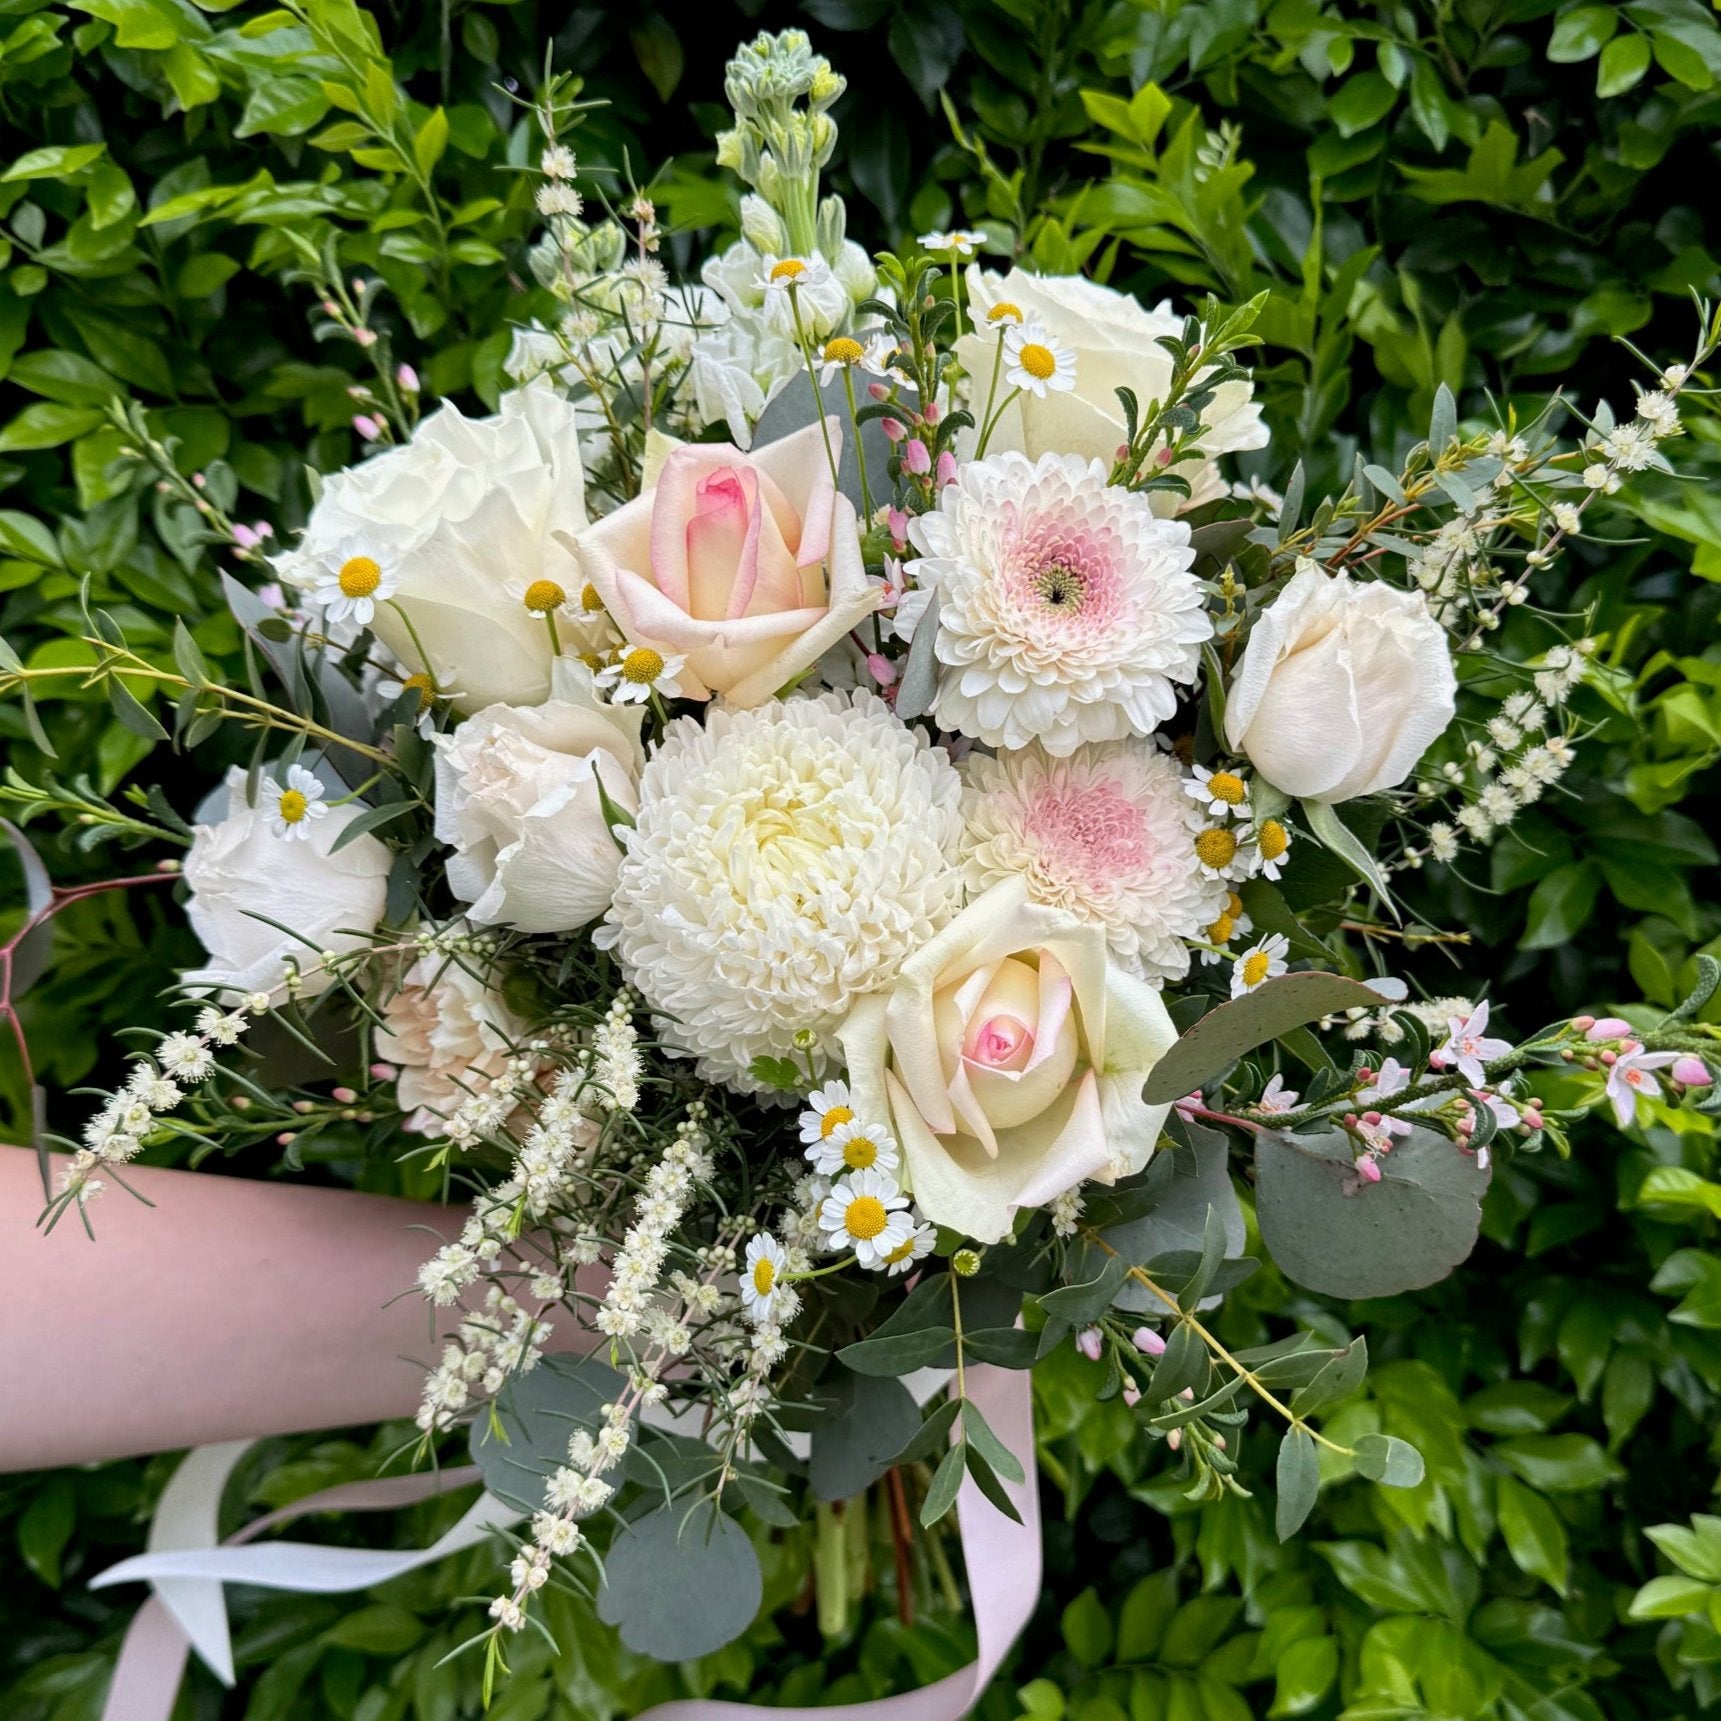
(1107, 834)
(1067, 611)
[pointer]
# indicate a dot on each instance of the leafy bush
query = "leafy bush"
(1485, 195)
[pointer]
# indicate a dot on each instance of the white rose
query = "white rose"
(449, 1035)
(1342, 687)
(517, 798)
(239, 869)
(1008, 1059)
(1115, 343)
(462, 519)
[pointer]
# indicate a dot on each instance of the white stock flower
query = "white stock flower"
(237, 871)
(785, 859)
(1008, 1059)
(517, 798)
(449, 1035)
(466, 509)
(1067, 612)
(1342, 687)
(1107, 835)
(1115, 343)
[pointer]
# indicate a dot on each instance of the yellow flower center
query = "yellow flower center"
(1038, 361)
(860, 1153)
(359, 577)
(833, 1120)
(1255, 966)
(642, 666)
(788, 270)
(1226, 786)
(293, 806)
(423, 686)
(1233, 905)
(592, 661)
(1004, 309)
(843, 351)
(866, 1217)
(590, 602)
(1271, 838)
(1222, 930)
(904, 1251)
(1216, 847)
(764, 1275)
(542, 596)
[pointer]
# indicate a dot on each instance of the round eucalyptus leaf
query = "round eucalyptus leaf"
(872, 1417)
(1330, 1231)
(538, 1412)
(680, 1582)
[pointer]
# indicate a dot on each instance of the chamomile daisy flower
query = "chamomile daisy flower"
(855, 1146)
(1271, 843)
(827, 1110)
(1221, 854)
(762, 1285)
(639, 672)
(541, 597)
(961, 240)
(916, 1248)
(839, 353)
(1223, 793)
(782, 273)
(867, 1213)
(1264, 962)
(293, 808)
(1035, 363)
(358, 583)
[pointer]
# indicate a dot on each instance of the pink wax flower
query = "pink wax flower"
(917, 457)
(1690, 1072)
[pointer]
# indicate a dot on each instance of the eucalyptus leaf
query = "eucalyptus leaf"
(680, 1582)
(870, 1420)
(918, 686)
(1335, 834)
(538, 1411)
(1297, 1477)
(1386, 1459)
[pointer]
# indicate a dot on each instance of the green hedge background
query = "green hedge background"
(1489, 194)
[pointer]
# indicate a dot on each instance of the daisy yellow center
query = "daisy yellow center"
(1004, 309)
(1216, 847)
(1233, 905)
(293, 805)
(764, 1275)
(833, 1120)
(542, 596)
(592, 661)
(1226, 786)
(359, 577)
(843, 351)
(865, 1218)
(1220, 932)
(859, 1154)
(1255, 966)
(642, 666)
(1038, 361)
(423, 686)
(590, 602)
(1061, 589)
(904, 1251)
(788, 270)
(1271, 839)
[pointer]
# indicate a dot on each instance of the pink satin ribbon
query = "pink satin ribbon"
(1002, 1560)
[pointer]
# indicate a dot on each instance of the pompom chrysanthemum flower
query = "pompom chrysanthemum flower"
(785, 860)
(1067, 611)
(1107, 834)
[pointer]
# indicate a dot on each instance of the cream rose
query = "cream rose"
(448, 1035)
(1008, 1059)
(1115, 344)
(460, 521)
(749, 565)
(517, 797)
(239, 869)
(1343, 686)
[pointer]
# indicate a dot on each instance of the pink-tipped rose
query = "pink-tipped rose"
(748, 565)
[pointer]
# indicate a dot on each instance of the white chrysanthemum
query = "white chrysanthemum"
(785, 860)
(1107, 834)
(1067, 611)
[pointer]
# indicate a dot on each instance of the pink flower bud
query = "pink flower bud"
(241, 1102)
(1122, 452)
(383, 1072)
(879, 392)
(303, 1106)
(1131, 1394)
(1163, 457)
(917, 457)
(1174, 1439)
(897, 520)
(365, 337)
(366, 426)
(1530, 1122)
(1583, 1022)
(946, 469)
(880, 668)
(245, 538)
(1371, 1118)
(199, 480)
(1091, 1343)
(894, 429)
(286, 1138)
(1147, 1341)
(1187, 1395)
(1608, 1057)
(1367, 1170)
(1608, 1028)
(1365, 1076)
(343, 1096)
(933, 412)
(331, 309)
(1690, 1071)
(407, 378)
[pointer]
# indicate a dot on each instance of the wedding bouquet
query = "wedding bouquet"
(858, 848)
